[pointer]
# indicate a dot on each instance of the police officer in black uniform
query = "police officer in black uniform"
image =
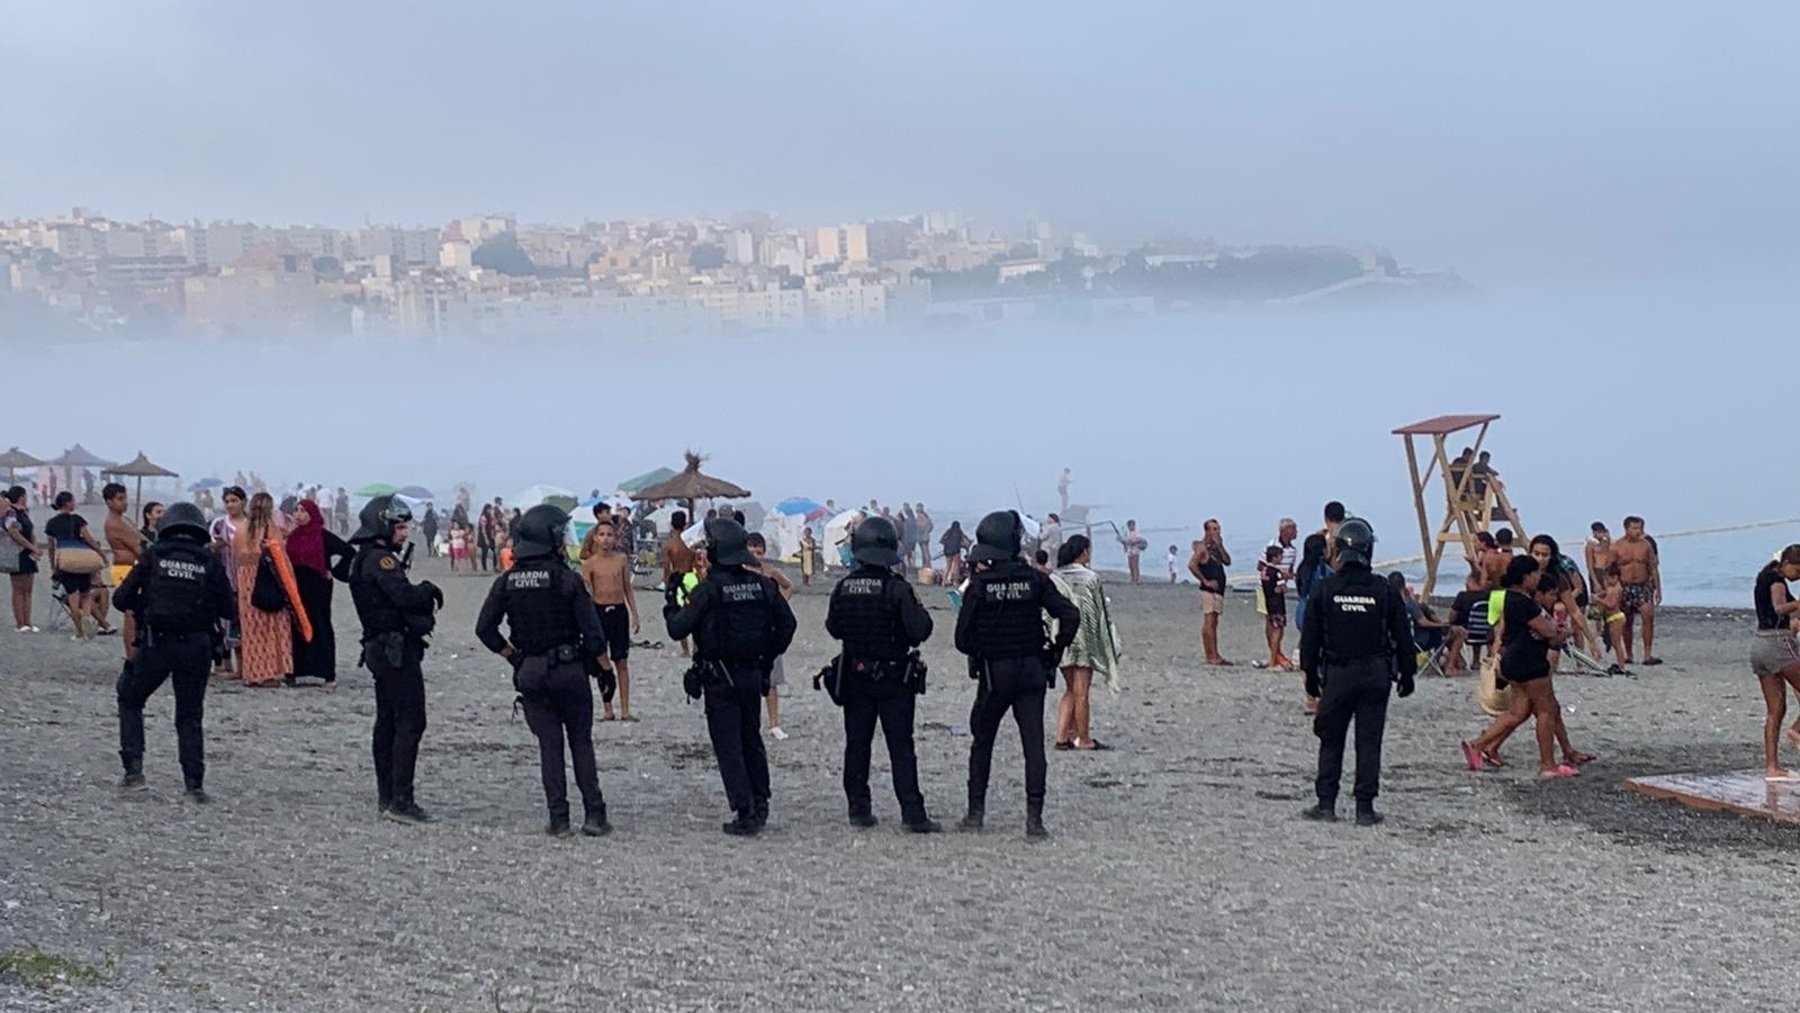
(181, 595)
(879, 674)
(1355, 637)
(397, 615)
(555, 638)
(740, 625)
(1001, 629)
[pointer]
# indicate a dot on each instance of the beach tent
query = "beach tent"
(14, 459)
(836, 544)
(534, 495)
(783, 533)
(800, 506)
(631, 485)
(140, 468)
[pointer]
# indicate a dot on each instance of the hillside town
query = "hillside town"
(493, 274)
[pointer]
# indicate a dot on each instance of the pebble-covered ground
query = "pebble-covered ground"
(1178, 875)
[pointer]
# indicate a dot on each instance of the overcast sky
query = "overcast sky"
(1516, 141)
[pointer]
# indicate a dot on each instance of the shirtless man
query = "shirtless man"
(1641, 573)
(125, 543)
(1599, 554)
(677, 558)
(607, 574)
(1493, 560)
(603, 518)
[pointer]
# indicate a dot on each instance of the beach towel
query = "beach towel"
(1096, 644)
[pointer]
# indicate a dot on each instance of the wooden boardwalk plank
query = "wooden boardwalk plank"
(1740, 791)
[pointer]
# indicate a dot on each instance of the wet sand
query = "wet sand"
(1178, 876)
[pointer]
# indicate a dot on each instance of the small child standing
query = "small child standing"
(777, 674)
(1274, 594)
(1174, 565)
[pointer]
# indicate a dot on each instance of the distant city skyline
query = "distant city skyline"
(1530, 142)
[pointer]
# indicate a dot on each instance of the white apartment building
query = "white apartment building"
(771, 309)
(851, 305)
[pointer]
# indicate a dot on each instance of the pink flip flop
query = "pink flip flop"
(1472, 757)
(1561, 770)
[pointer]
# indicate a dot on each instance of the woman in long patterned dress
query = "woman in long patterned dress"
(1095, 650)
(266, 638)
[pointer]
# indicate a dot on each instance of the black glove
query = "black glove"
(1406, 686)
(436, 593)
(1313, 685)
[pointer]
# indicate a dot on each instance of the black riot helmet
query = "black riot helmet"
(727, 543)
(876, 543)
(182, 520)
(998, 536)
(378, 518)
(541, 531)
(1355, 542)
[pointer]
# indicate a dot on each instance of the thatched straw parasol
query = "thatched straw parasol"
(14, 459)
(691, 485)
(140, 468)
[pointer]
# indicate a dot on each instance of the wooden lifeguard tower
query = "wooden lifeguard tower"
(1471, 500)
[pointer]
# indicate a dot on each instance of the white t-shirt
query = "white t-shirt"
(1173, 563)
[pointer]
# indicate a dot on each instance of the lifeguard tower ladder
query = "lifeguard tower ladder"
(1471, 502)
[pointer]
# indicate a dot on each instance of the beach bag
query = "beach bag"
(79, 561)
(1494, 698)
(10, 553)
(267, 594)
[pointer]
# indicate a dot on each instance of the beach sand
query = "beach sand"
(1178, 876)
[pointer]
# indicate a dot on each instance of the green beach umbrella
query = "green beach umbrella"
(377, 489)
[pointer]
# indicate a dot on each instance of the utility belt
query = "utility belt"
(908, 671)
(561, 654)
(389, 647)
(148, 637)
(703, 675)
(981, 667)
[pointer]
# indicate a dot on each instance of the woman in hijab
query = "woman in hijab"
(318, 555)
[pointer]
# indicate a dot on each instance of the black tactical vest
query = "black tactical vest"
(538, 613)
(865, 612)
(175, 589)
(1009, 620)
(373, 607)
(739, 629)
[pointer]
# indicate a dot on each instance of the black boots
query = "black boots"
(559, 826)
(861, 815)
(1320, 813)
(596, 825)
(1366, 816)
(197, 794)
(744, 826)
(973, 819)
(1034, 819)
(761, 813)
(406, 812)
(919, 823)
(134, 775)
